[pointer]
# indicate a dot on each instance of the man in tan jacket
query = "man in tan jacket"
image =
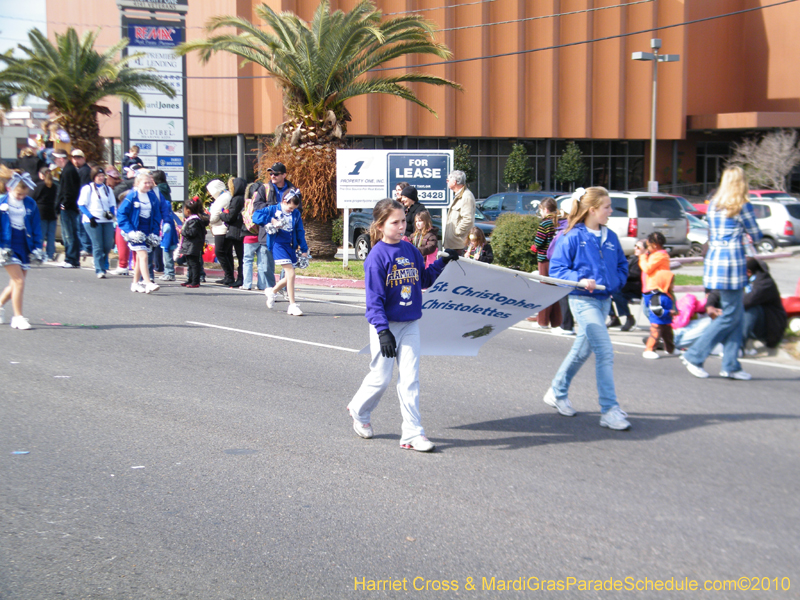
(461, 214)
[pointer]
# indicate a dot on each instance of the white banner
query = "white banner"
(472, 302)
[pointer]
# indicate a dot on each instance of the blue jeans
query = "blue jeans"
(266, 266)
(84, 238)
(686, 336)
(49, 236)
(169, 260)
(727, 329)
(590, 315)
(70, 224)
(102, 238)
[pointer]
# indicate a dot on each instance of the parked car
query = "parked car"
(637, 214)
(690, 208)
(754, 195)
(518, 202)
(778, 220)
(361, 219)
(698, 235)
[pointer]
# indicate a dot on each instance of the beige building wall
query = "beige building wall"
(728, 66)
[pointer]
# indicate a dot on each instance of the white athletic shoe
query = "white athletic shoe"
(294, 311)
(564, 407)
(101, 275)
(120, 271)
(615, 419)
(699, 372)
(20, 323)
(649, 354)
(740, 375)
(419, 443)
(151, 287)
(270, 298)
(67, 265)
(137, 287)
(363, 430)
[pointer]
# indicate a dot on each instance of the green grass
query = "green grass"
(688, 279)
(333, 269)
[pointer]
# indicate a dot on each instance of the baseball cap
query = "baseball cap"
(59, 154)
(112, 172)
(278, 168)
(79, 153)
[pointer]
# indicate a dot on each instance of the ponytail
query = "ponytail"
(380, 214)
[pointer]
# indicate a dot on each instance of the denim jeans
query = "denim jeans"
(102, 238)
(70, 222)
(49, 236)
(266, 267)
(686, 336)
(727, 329)
(169, 260)
(83, 237)
(592, 336)
(755, 324)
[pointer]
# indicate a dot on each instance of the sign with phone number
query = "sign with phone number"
(365, 176)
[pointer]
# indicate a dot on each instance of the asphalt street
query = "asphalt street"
(194, 444)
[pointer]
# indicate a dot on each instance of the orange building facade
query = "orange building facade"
(541, 72)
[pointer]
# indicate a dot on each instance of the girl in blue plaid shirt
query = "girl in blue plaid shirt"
(730, 219)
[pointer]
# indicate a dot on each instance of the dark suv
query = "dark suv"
(518, 202)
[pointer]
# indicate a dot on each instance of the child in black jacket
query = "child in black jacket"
(193, 236)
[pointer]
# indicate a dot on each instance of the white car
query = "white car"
(698, 235)
(637, 214)
(779, 222)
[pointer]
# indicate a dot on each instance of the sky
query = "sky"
(17, 18)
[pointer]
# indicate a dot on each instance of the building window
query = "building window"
(218, 155)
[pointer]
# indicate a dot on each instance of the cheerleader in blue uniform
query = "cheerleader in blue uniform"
(20, 241)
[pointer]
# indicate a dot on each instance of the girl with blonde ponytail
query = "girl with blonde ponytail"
(590, 254)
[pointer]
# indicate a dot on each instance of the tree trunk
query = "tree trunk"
(318, 237)
(84, 134)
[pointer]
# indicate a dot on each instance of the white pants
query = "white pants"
(380, 375)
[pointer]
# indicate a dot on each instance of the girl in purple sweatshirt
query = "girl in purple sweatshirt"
(395, 275)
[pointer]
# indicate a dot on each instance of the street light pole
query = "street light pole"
(655, 57)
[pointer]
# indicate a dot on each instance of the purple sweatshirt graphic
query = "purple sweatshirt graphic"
(395, 275)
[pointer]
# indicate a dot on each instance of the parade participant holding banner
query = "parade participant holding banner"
(395, 275)
(590, 254)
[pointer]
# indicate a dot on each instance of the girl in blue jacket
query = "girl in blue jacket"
(20, 236)
(285, 233)
(589, 253)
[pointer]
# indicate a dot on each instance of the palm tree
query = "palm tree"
(73, 78)
(319, 66)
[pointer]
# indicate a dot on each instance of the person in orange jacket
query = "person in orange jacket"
(654, 259)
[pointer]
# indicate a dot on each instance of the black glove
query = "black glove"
(451, 255)
(388, 344)
(93, 222)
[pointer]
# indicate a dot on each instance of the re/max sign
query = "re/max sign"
(162, 34)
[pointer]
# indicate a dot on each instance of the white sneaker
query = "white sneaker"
(137, 287)
(294, 311)
(419, 443)
(67, 265)
(564, 407)
(751, 352)
(675, 352)
(740, 375)
(363, 430)
(649, 354)
(101, 275)
(120, 271)
(694, 369)
(615, 419)
(567, 332)
(151, 287)
(20, 323)
(270, 298)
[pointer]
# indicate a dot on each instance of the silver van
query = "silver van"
(638, 214)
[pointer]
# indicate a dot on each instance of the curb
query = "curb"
(299, 279)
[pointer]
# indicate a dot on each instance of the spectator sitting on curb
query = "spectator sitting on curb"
(764, 316)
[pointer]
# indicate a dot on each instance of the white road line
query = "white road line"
(275, 337)
(748, 361)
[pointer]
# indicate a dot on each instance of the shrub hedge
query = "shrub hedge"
(512, 240)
